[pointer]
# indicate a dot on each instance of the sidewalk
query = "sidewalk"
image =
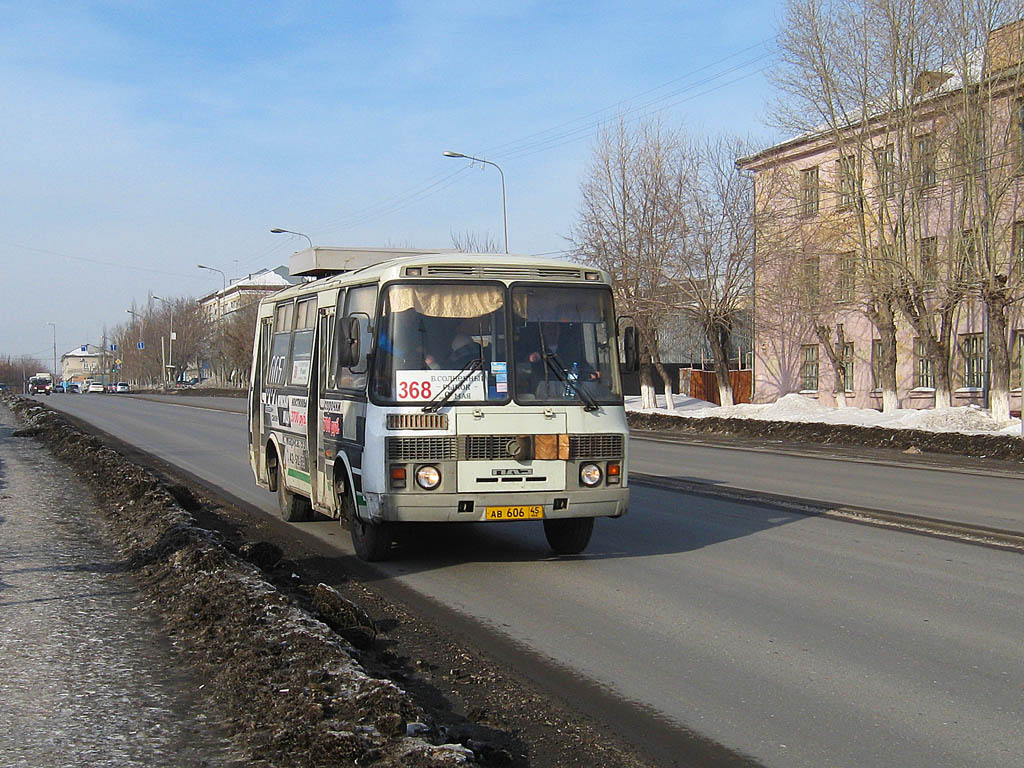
(86, 677)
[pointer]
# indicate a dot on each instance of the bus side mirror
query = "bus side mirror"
(630, 348)
(347, 342)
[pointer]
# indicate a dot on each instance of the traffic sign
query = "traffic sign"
(118, 362)
(141, 345)
(85, 348)
(113, 347)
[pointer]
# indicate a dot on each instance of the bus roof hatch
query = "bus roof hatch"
(323, 260)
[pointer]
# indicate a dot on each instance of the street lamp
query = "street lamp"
(220, 312)
(504, 210)
(170, 345)
(278, 231)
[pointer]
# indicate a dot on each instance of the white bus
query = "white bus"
(431, 386)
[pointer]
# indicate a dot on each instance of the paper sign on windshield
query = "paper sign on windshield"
(426, 385)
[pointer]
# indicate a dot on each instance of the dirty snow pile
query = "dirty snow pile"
(968, 419)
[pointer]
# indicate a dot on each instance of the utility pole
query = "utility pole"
(56, 374)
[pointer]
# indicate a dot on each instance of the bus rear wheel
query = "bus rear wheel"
(569, 536)
(293, 507)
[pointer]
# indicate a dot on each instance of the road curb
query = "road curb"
(996, 538)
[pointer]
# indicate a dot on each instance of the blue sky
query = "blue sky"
(141, 138)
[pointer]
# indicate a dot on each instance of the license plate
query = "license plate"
(534, 512)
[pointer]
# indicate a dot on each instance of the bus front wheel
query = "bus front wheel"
(569, 536)
(372, 541)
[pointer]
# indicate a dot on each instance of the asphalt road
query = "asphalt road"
(801, 641)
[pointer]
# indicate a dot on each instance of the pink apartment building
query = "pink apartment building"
(895, 190)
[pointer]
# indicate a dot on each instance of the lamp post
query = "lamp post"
(170, 344)
(220, 313)
(504, 210)
(279, 231)
(54, 327)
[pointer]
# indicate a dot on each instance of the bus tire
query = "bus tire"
(371, 541)
(569, 536)
(293, 507)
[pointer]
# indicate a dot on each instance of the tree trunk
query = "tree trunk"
(999, 360)
(669, 402)
(887, 366)
(647, 396)
(832, 351)
(718, 338)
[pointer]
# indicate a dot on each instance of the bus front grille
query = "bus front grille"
(422, 448)
(595, 446)
(482, 447)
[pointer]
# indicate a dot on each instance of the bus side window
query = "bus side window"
(280, 349)
(333, 372)
(302, 342)
(360, 302)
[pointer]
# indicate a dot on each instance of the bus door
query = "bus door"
(257, 425)
(319, 425)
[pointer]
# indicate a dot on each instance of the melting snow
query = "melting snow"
(968, 419)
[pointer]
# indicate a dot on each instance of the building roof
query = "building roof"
(91, 350)
(262, 281)
(928, 85)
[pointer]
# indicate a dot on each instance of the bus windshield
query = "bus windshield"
(563, 342)
(431, 334)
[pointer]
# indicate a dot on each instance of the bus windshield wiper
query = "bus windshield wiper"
(446, 394)
(556, 366)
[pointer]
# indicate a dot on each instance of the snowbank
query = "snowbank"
(968, 419)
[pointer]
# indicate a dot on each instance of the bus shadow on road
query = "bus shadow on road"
(660, 522)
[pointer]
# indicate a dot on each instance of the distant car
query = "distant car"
(95, 387)
(4, 387)
(122, 386)
(72, 388)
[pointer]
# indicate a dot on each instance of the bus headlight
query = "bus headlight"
(590, 475)
(428, 477)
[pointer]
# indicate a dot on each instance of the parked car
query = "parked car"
(122, 386)
(95, 387)
(72, 388)
(4, 387)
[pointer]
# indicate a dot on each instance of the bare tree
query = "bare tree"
(471, 242)
(715, 269)
(238, 331)
(631, 225)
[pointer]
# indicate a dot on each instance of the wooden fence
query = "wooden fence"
(703, 385)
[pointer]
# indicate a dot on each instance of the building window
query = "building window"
(925, 154)
(885, 167)
(876, 363)
(811, 277)
(923, 377)
(847, 180)
(971, 347)
(967, 257)
(809, 368)
(809, 191)
(1017, 358)
(1018, 138)
(847, 288)
(847, 358)
(928, 262)
(1018, 249)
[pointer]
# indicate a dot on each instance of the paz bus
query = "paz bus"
(408, 386)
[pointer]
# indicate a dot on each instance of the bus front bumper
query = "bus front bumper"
(470, 508)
